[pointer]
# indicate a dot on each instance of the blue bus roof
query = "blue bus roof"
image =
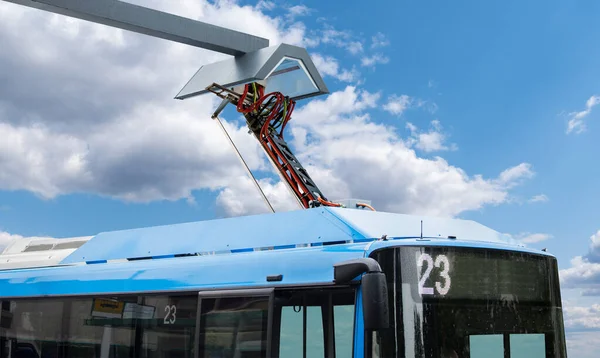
(286, 229)
(302, 246)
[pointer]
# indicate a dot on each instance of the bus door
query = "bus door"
(287, 323)
(318, 322)
(235, 323)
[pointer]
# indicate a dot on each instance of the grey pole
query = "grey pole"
(215, 116)
(153, 23)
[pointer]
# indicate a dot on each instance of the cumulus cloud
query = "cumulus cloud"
(594, 253)
(349, 155)
(397, 104)
(515, 175)
(430, 141)
(299, 10)
(242, 198)
(342, 39)
(375, 59)
(584, 272)
(374, 162)
(577, 119)
(111, 127)
(582, 318)
(329, 66)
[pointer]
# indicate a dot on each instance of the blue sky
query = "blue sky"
(490, 88)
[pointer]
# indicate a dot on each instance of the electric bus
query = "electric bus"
(322, 282)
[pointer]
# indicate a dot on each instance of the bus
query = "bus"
(322, 282)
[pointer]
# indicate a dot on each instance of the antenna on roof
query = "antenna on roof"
(421, 229)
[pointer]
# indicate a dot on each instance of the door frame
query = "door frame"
(246, 292)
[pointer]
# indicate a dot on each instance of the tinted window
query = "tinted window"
(233, 327)
(171, 333)
(125, 326)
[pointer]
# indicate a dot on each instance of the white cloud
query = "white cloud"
(431, 141)
(582, 318)
(299, 10)
(6, 239)
(541, 198)
(342, 39)
(374, 163)
(329, 66)
(397, 104)
(348, 155)
(264, 5)
(379, 40)
(576, 122)
(531, 238)
(151, 153)
(112, 126)
(581, 274)
(375, 59)
(583, 344)
(34, 160)
(595, 241)
(515, 175)
(584, 272)
(242, 198)
(354, 47)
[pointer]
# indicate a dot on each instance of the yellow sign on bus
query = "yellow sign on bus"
(107, 308)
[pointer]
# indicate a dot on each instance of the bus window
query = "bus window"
(343, 316)
(292, 328)
(68, 328)
(527, 346)
(233, 327)
(104, 327)
(171, 329)
(486, 346)
(314, 324)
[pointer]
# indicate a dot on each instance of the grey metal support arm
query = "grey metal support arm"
(154, 23)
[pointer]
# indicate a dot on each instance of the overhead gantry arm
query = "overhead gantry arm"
(153, 23)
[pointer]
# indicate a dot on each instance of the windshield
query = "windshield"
(465, 302)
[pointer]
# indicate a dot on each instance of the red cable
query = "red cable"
(265, 139)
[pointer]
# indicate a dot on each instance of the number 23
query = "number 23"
(170, 317)
(439, 260)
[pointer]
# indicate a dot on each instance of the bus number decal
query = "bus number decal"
(170, 317)
(425, 258)
(442, 259)
(429, 262)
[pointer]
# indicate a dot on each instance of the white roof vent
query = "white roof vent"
(39, 252)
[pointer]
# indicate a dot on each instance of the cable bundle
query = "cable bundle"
(274, 108)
